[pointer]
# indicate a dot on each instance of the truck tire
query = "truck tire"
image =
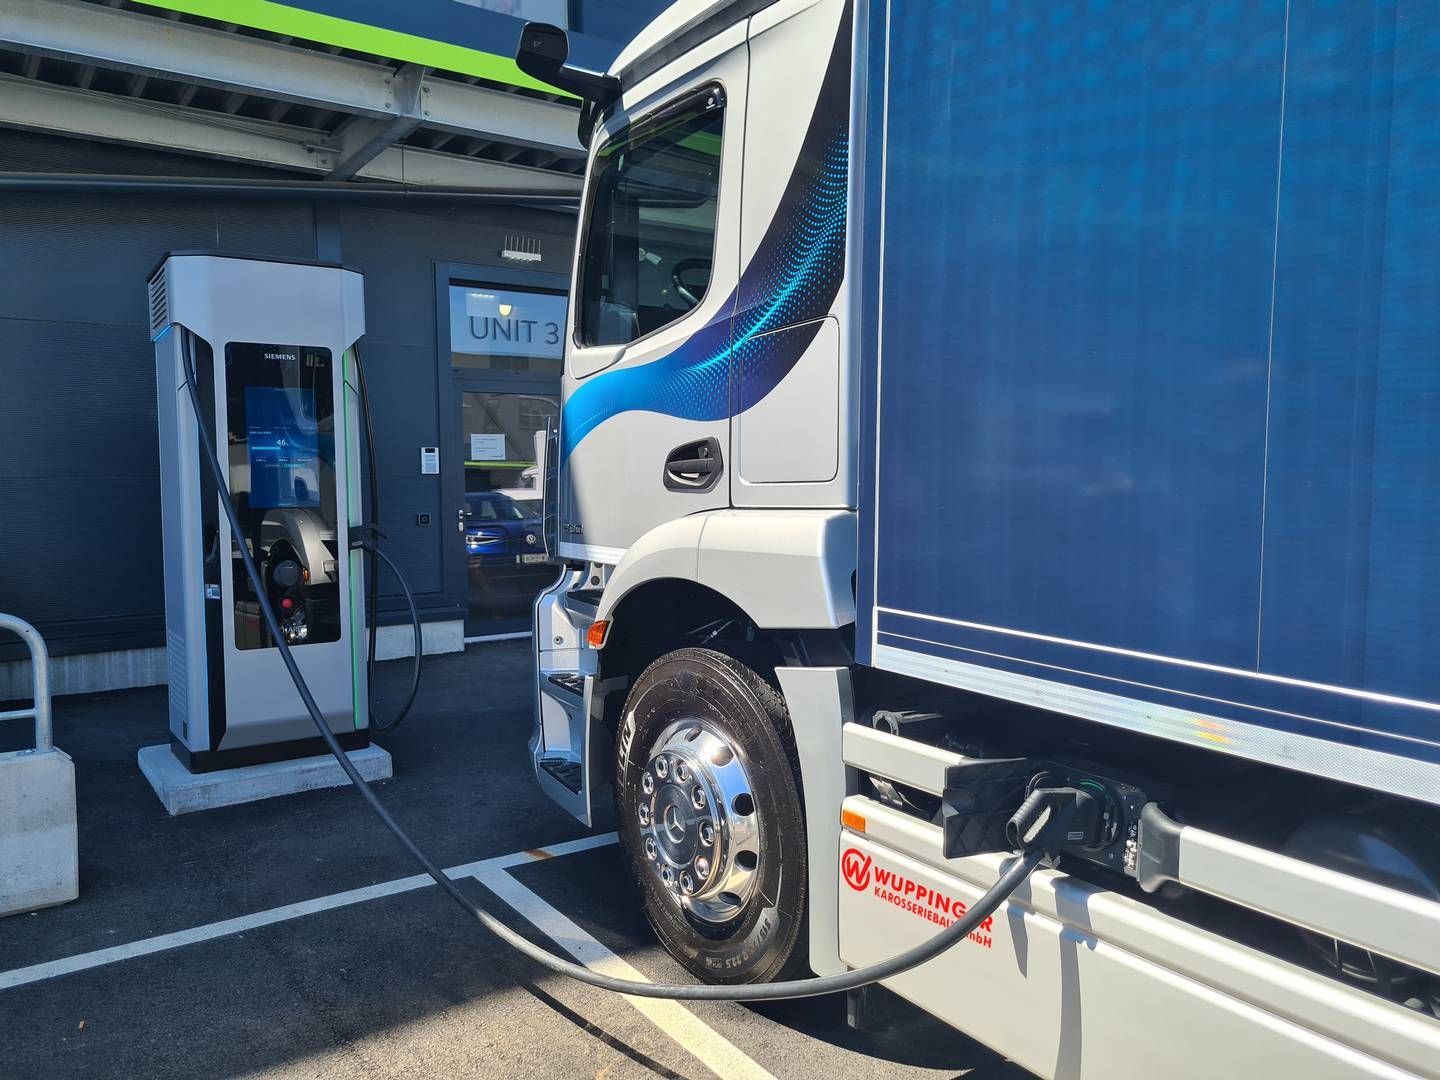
(711, 817)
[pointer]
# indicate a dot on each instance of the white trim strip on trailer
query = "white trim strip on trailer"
(1349, 764)
(1284, 680)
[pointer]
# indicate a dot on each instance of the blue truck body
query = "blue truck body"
(1150, 407)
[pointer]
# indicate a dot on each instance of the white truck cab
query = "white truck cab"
(705, 376)
(927, 423)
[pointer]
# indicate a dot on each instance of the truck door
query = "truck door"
(644, 431)
(792, 423)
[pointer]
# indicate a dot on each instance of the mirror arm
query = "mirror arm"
(541, 54)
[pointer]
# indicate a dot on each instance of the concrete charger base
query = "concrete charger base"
(184, 792)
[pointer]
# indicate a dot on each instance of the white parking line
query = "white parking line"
(149, 946)
(718, 1053)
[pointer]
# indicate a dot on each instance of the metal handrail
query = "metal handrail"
(40, 678)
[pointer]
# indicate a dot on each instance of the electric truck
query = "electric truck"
(967, 399)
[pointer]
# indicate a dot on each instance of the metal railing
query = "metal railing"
(40, 680)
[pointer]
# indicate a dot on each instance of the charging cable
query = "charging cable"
(1014, 873)
(370, 536)
(368, 541)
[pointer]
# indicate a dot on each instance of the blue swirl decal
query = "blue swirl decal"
(793, 277)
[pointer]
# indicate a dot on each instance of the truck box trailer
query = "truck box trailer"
(962, 398)
(1162, 399)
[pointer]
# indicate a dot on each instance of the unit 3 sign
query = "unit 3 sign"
(498, 322)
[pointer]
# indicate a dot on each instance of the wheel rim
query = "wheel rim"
(699, 825)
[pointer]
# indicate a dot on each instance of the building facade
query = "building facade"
(129, 130)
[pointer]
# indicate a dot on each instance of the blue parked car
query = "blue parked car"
(500, 530)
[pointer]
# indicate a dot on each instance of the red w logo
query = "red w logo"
(856, 868)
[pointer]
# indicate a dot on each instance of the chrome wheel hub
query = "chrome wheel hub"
(698, 823)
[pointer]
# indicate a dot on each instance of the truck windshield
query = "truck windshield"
(650, 238)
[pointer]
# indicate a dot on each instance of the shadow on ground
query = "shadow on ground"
(401, 986)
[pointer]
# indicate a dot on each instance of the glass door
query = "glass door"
(505, 352)
(504, 548)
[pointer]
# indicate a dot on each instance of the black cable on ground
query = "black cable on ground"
(374, 588)
(956, 932)
(378, 552)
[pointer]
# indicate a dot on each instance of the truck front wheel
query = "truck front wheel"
(711, 819)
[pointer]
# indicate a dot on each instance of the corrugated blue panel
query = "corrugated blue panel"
(1402, 642)
(1330, 257)
(1079, 225)
(1157, 411)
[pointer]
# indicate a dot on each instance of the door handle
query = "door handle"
(695, 466)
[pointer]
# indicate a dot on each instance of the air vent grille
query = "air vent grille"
(521, 249)
(159, 304)
(175, 657)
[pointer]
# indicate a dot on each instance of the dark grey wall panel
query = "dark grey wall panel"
(80, 550)
(398, 249)
(66, 258)
(77, 405)
(79, 483)
(29, 152)
(416, 548)
(410, 384)
(79, 487)
(403, 392)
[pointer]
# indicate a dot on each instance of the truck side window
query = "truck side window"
(650, 239)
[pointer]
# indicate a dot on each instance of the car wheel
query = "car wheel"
(710, 816)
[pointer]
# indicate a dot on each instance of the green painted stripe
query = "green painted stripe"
(359, 642)
(329, 30)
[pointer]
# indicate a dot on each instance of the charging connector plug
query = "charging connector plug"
(1052, 818)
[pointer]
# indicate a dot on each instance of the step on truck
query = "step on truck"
(960, 398)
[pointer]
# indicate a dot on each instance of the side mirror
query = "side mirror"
(542, 52)
(543, 49)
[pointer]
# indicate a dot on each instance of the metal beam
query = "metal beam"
(66, 111)
(452, 106)
(124, 40)
(409, 165)
(147, 45)
(360, 139)
(318, 190)
(107, 117)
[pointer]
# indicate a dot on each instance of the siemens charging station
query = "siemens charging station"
(270, 346)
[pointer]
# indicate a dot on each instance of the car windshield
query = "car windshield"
(492, 506)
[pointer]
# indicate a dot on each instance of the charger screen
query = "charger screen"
(284, 446)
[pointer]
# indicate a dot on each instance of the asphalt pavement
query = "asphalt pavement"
(375, 974)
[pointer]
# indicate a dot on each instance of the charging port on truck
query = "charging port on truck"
(999, 804)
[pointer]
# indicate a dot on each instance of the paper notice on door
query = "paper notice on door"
(487, 447)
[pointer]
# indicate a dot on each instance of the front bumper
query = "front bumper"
(571, 747)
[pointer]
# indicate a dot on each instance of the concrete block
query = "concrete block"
(184, 792)
(397, 640)
(39, 848)
(85, 673)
